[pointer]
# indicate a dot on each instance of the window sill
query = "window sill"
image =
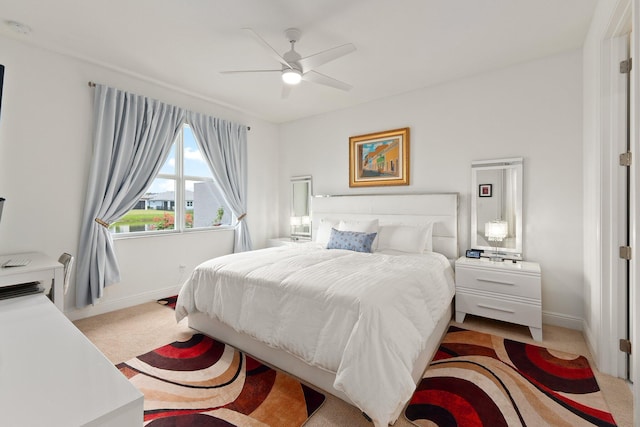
(125, 236)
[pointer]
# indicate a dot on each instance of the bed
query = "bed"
(361, 326)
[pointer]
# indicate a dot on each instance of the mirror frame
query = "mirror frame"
(510, 163)
(302, 231)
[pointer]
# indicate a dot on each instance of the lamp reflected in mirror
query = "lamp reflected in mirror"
(496, 207)
(496, 231)
(300, 217)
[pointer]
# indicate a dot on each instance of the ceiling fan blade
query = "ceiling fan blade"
(315, 77)
(286, 90)
(248, 71)
(274, 53)
(310, 62)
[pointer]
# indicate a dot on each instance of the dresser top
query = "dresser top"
(507, 265)
(46, 361)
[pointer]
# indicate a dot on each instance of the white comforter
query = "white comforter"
(365, 317)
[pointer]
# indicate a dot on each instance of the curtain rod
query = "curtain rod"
(92, 84)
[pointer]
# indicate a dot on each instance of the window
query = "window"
(184, 188)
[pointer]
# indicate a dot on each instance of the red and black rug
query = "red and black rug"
(202, 382)
(169, 301)
(478, 379)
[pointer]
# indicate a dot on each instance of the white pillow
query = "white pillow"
(428, 247)
(363, 226)
(324, 230)
(405, 238)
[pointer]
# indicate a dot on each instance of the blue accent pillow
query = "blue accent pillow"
(351, 240)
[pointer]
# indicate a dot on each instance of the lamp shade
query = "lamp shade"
(296, 221)
(496, 231)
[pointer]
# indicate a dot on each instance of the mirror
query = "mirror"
(301, 207)
(496, 207)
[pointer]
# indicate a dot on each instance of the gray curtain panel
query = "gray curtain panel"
(131, 141)
(224, 145)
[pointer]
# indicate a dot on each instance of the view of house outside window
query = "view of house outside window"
(184, 188)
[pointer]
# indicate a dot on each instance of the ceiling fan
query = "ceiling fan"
(295, 68)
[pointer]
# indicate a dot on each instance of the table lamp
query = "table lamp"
(496, 231)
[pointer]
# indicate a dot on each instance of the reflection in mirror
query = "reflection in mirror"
(301, 207)
(496, 207)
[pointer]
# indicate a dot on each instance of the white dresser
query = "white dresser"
(52, 375)
(40, 268)
(500, 290)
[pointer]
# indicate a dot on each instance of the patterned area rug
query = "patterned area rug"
(479, 379)
(204, 383)
(169, 301)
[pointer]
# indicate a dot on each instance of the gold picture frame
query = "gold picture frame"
(379, 159)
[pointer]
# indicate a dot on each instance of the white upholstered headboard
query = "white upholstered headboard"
(407, 209)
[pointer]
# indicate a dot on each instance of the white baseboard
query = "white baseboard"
(562, 320)
(107, 306)
(590, 341)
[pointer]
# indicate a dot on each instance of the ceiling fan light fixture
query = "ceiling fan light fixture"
(291, 76)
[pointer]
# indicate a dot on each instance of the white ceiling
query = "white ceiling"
(402, 45)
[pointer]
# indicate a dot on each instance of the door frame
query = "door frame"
(613, 199)
(634, 269)
(604, 297)
(626, 18)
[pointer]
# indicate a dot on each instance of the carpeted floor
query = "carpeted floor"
(124, 334)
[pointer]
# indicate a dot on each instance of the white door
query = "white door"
(620, 197)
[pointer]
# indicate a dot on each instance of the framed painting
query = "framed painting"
(485, 190)
(379, 159)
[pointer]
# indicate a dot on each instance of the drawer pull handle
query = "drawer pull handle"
(480, 279)
(506, 310)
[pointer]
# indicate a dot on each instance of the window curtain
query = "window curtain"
(224, 145)
(132, 138)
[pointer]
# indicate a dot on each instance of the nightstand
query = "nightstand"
(284, 241)
(500, 290)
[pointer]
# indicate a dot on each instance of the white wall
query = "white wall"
(532, 110)
(45, 152)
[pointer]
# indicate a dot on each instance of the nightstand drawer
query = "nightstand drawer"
(494, 308)
(501, 282)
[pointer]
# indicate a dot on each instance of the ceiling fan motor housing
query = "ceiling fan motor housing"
(292, 57)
